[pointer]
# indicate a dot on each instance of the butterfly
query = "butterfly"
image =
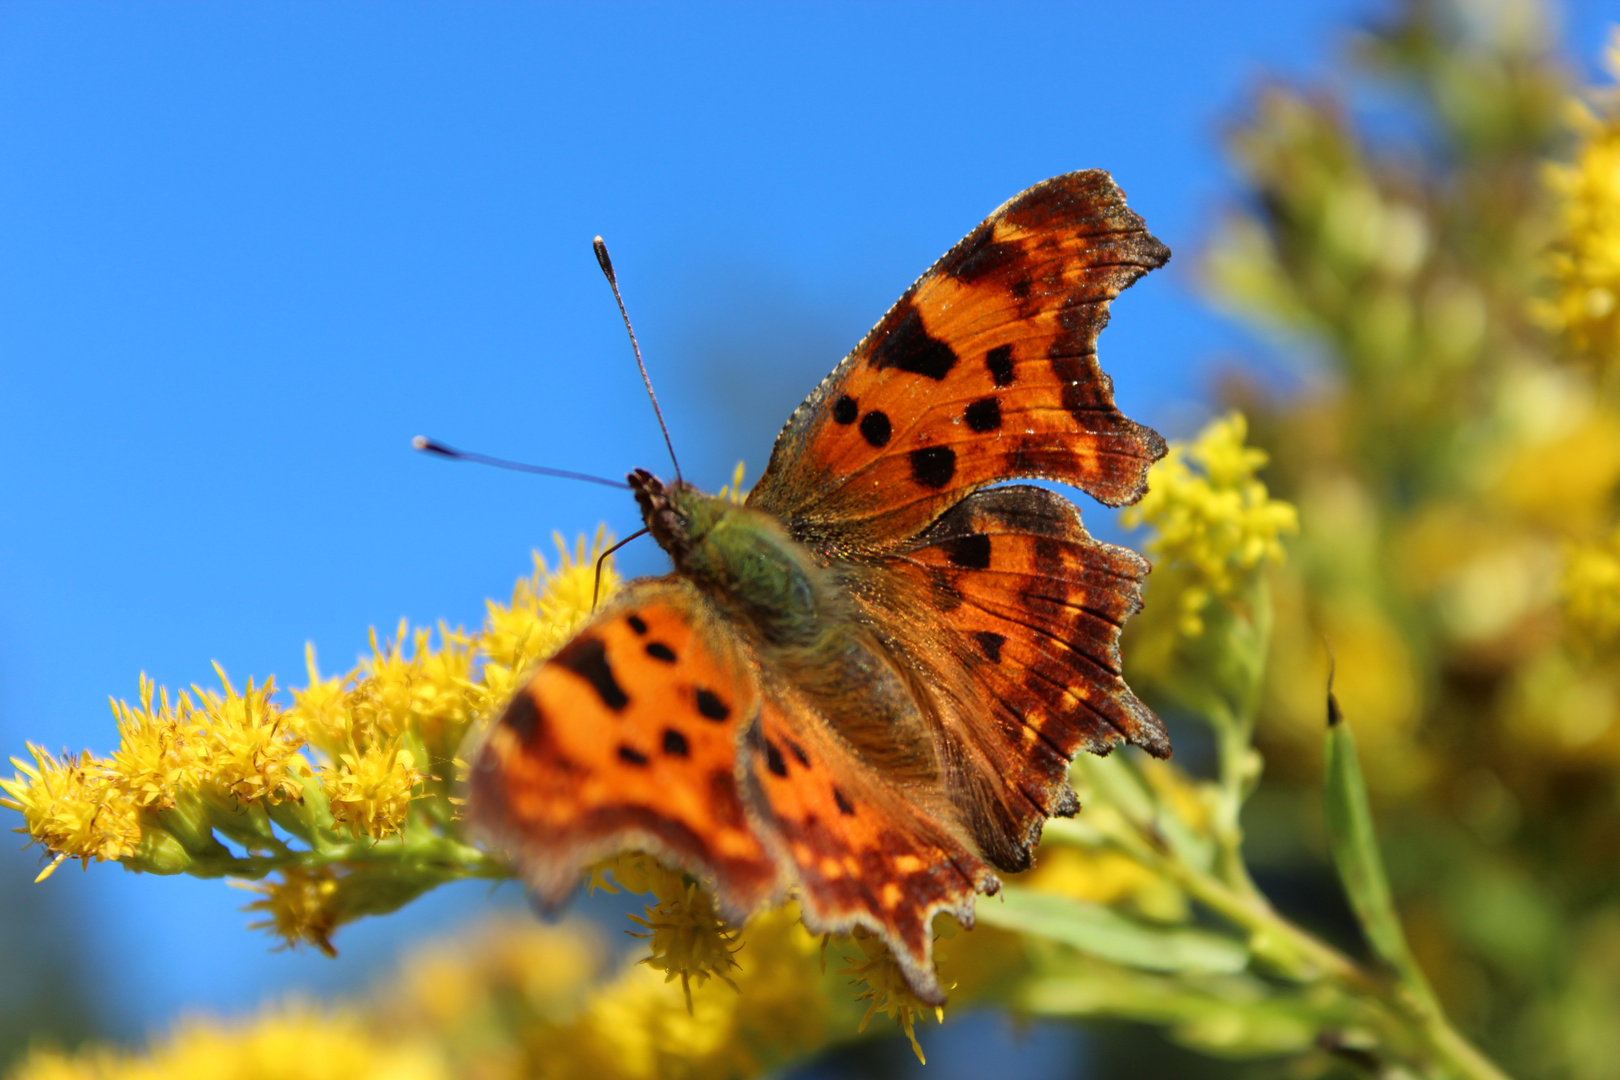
(865, 683)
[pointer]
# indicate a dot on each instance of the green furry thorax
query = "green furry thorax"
(746, 561)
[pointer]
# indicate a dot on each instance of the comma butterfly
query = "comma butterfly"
(866, 682)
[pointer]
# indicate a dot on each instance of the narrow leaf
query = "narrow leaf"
(1355, 853)
(1108, 935)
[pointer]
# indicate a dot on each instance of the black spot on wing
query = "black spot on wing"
(637, 624)
(659, 651)
(990, 642)
(773, 759)
(587, 658)
(933, 466)
(675, 743)
(710, 707)
(1020, 288)
(631, 757)
(845, 807)
(522, 716)
(999, 361)
(1081, 383)
(797, 751)
(845, 410)
(971, 551)
(908, 347)
(980, 254)
(875, 428)
(983, 415)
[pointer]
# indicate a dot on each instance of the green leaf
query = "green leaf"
(1354, 844)
(1108, 935)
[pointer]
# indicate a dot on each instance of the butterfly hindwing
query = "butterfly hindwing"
(1014, 611)
(866, 851)
(985, 370)
(627, 738)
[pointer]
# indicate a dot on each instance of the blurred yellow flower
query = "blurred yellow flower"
(1217, 520)
(686, 937)
(299, 906)
(1585, 259)
(1106, 876)
(294, 1042)
(1590, 590)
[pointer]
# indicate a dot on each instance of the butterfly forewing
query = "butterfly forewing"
(627, 738)
(985, 370)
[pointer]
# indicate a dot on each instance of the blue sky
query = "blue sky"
(247, 251)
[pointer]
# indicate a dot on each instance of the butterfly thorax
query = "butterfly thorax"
(742, 558)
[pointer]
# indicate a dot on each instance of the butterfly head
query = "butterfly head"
(671, 512)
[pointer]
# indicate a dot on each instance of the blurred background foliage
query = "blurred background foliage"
(1446, 296)
(1428, 242)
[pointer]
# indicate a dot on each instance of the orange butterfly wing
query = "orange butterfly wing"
(968, 652)
(866, 850)
(1010, 608)
(627, 738)
(985, 370)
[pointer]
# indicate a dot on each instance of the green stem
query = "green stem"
(1254, 914)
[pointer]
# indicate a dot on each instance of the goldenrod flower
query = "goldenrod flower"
(371, 790)
(300, 907)
(1217, 520)
(210, 765)
(735, 492)
(1591, 592)
(1585, 258)
(71, 807)
(250, 748)
(158, 749)
(886, 989)
(546, 610)
(687, 939)
(294, 1042)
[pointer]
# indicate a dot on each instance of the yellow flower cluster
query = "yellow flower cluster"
(357, 773)
(880, 983)
(686, 936)
(207, 752)
(294, 1042)
(1585, 262)
(513, 999)
(1216, 521)
(1591, 592)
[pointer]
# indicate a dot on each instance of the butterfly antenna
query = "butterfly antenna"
(596, 586)
(607, 269)
(432, 446)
